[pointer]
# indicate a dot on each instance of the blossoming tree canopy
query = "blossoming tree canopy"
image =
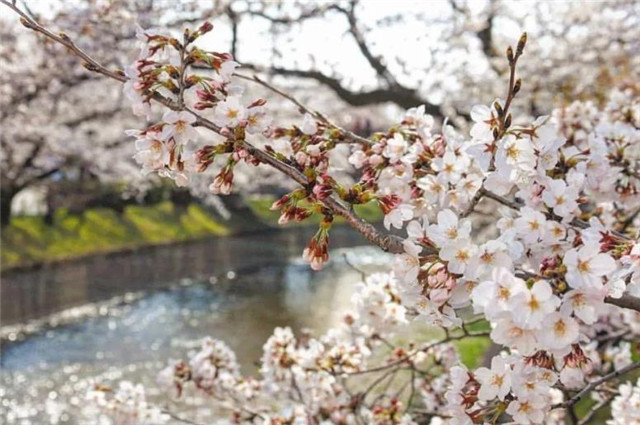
(553, 273)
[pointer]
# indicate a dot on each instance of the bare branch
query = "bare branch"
(594, 384)
(626, 301)
(375, 62)
(304, 109)
(89, 63)
(401, 96)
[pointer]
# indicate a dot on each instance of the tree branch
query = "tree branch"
(350, 136)
(594, 384)
(89, 63)
(399, 95)
(387, 242)
(625, 301)
(375, 62)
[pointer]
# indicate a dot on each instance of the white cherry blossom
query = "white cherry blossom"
(229, 112)
(179, 127)
(494, 382)
(587, 265)
(533, 305)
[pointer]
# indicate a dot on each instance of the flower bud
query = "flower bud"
(498, 108)
(26, 23)
(89, 67)
(517, 86)
(521, 43)
(388, 203)
(510, 55)
(205, 27)
(259, 102)
(225, 132)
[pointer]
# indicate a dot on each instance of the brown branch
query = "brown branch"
(374, 61)
(387, 242)
(233, 17)
(89, 63)
(485, 35)
(407, 358)
(594, 384)
(592, 412)
(625, 301)
(350, 136)
(286, 20)
(516, 205)
(43, 175)
(399, 95)
(92, 116)
(180, 419)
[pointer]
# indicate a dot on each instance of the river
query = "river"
(122, 316)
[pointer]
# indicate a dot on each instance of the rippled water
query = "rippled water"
(235, 289)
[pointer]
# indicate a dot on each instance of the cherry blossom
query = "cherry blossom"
(494, 382)
(229, 112)
(533, 305)
(449, 229)
(560, 331)
(527, 411)
(587, 265)
(179, 127)
(625, 407)
(485, 121)
(526, 223)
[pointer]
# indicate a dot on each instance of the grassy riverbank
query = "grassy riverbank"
(30, 240)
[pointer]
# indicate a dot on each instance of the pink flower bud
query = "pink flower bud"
(301, 158)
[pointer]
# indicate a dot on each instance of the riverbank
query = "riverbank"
(30, 243)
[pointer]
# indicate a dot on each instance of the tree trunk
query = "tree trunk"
(6, 198)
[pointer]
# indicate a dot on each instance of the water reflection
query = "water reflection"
(32, 294)
(236, 289)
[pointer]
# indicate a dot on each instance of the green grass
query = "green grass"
(472, 350)
(29, 239)
(261, 208)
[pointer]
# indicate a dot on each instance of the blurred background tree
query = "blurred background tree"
(376, 59)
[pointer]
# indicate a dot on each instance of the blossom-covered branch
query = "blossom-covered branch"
(541, 272)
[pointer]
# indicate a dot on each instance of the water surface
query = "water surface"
(236, 289)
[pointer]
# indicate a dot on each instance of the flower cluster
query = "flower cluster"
(170, 147)
(126, 405)
(307, 377)
(547, 273)
(626, 406)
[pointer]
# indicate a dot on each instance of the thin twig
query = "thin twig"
(387, 242)
(408, 357)
(89, 63)
(517, 205)
(350, 136)
(591, 413)
(594, 384)
(180, 418)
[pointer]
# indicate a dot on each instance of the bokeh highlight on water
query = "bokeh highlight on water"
(236, 289)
